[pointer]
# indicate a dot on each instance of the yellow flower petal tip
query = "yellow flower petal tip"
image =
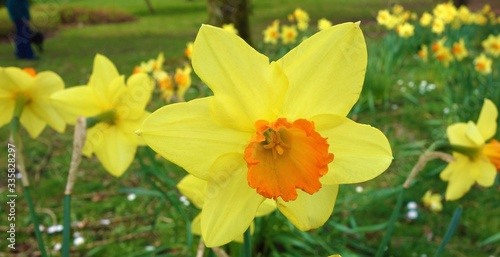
(357, 24)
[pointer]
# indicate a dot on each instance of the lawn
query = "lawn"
(140, 214)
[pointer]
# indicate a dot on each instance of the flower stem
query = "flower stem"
(76, 157)
(247, 243)
(15, 127)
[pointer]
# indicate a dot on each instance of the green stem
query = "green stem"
(34, 219)
(66, 225)
(451, 229)
(390, 227)
(107, 116)
(247, 243)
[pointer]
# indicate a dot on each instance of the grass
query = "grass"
(358, 222)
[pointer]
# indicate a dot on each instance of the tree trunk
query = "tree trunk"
(231, 11)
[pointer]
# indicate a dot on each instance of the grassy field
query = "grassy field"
(114, 224)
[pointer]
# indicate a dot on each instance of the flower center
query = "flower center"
(283, 156)
(492, 151)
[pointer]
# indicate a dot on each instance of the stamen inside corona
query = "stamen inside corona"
(283, 157)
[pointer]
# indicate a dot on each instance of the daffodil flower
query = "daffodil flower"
(118, 109)
(30, 94)
(273, 130)
(478, 160)
(432, 201)
(195, 190)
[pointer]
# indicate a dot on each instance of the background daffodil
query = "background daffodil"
(479, 161)
(30, 92)
(272, 130)
(195, 190)
(117, 108)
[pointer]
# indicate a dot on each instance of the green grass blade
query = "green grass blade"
(451, 229)
(491, 239)
(392, 222)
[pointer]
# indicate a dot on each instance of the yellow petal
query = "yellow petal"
(361, 152)
(185, 134)
(246, 87)
(47, 83)
(310, 211)
(94, 138)
(457, 135)
(130, 126)
(103, 74)
(196, 225)
(44, 109)
(76, 101)
(462, 175)
(116, 152)
(487, 122)
(487, 173)
(7, 106)
(267, 207)
(231, 204)
(194, 189)
(133, 102)
(326, 72)
(18, 80)
(473, 134)
(32, 123)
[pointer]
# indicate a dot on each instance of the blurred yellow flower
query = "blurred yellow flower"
(273, 130)
(302, 18)
(271, 33)
(438, 26)
(426, 19)
(324, 24)
(405, 30)
(397, 9)
(188, 50)
(482, 64)
(182, 79)
(445, 12)
(30, 93)
(117, 108)
(464, 15)
(459, 50)
(438, 45)
(491, 45)
(151, 65)
(432, 201)
(477, 164)
(194, 189)
(444, 55)
(230, 28)
(288, 34)
(423, 53)
(385, 18)
(166, 85)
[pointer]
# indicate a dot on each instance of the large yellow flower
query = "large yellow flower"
(31, 92)
(272, 130)
(483, 159)
(195, 190)
(118, 109)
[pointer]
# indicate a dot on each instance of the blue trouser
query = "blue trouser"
(22, 40)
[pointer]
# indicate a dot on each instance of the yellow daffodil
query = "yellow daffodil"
(444, 56)
(271, 33)
(324, 24)
(118, 109)
(479, 19)
(432, 201)
(189, 50)
(459, 50)
(273, 130)
(166, 86)
(288, 34)
(426, 19)
(438, 26)
(302, 18)
(405, 30)
(464, 14)
(195, 190)
(445, 12)
(230, 28)
(151, 65)
(397, 9)
(385, 18)
(438, 45)
(423, 53)
(482, 64)
(491, 45)
(30, 93)
(479, 162)
(182, 79)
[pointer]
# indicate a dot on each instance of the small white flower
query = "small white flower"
(403, 89)
(411, 205)
(411, 84)
(105, 222)
(131, 197)
(394, 107)
(78, 241)
(431, 87)
(149, 248)
(359, 189)
(423, 82)
(412, 214)
(54, 228)
(184, 200)
(400, 82)
(57, 247)
(446, 110)
(59, 228)
(41, 228)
